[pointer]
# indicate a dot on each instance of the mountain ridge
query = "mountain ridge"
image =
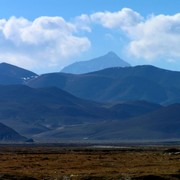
(11, 74)
(119, 103)
(118, 84)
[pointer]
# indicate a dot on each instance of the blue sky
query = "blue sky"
(46, 35)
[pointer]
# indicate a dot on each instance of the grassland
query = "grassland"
(55, 163)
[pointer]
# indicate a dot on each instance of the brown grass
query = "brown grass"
(83, 163)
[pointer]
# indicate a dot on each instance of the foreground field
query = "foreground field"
(45, 162)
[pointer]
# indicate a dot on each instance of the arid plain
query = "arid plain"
(56, 162)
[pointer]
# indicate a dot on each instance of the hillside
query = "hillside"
(36, 111)
(108, 60)
(128, 108)
(147, 83)
(163, 124)
(10, 74)
(7, 134)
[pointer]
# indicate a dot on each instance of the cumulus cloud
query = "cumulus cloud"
(157, 37)
(53, 42)
(150, 37)
(83, 22)
(123, 19)
(44, 42)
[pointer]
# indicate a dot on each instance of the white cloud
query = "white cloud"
(122, 19)
(149, 38)
(52, 42)
(83, 22)
(39, 44)
(157, 37)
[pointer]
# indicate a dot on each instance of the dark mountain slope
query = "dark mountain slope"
(163, 124)
(118, 84)
(33, 111)
(106, 61)
(134, 109)
(9, 135)
(10, 74)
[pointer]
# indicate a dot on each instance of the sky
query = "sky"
(46, 35)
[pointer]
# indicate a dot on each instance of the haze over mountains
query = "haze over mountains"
(113, 104)
(108, 60)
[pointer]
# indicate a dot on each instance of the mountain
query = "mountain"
(10, 74)
(103, 62)
(128, 108)
(160, 125)
(7, 134)
(32, 112)
(53, 115)
(118, 84)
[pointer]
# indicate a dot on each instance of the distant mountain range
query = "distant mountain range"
(138, 103)
(103, 62)
(145, 82)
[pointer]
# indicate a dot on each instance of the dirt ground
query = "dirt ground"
(36, 162)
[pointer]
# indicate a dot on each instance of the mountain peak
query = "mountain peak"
(108, 60)
(111, 53)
